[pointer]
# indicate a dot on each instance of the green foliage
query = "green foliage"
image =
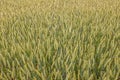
(59, 40)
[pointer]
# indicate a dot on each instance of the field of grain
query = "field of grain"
(59, 39)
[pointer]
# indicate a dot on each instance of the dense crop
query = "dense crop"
(59, 39)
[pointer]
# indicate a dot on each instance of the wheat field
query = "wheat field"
(59, 39)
